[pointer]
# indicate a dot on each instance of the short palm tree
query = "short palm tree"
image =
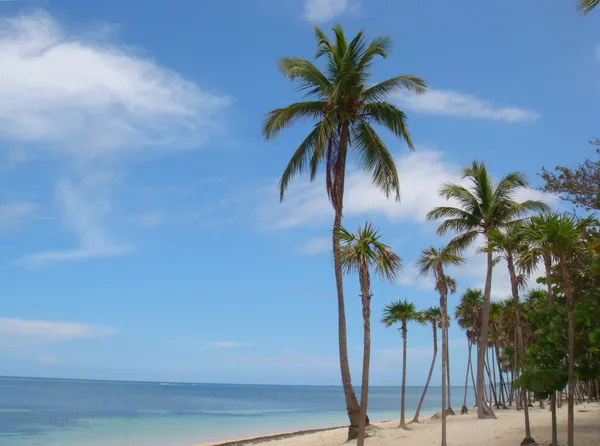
(432, 315)
(433, 260)
(482, 207)
(344, 106)
(467, 314)
(360, 253)
(564, 234)
(401, 312)
(509, 244)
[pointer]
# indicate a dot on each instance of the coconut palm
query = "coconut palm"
(360, 253)
(401, 312)
(586, 6)
(452, 289)
(433, 315)
(433, 261)
(564, 235)
(482, 207)
(467, 315)
(344, 107)
(509, 244)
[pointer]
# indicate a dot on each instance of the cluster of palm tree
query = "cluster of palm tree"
(483, 215)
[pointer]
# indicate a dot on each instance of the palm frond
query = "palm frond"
(586, 6)
(382, 90)
(376, 158)
(310, 77)
(388, 116)
(281, 118)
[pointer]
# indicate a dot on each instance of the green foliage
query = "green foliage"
(344, 107)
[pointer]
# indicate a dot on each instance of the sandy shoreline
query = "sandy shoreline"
(462, 430)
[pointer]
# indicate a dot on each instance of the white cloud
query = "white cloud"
(151, 219)
(229, 344)
(316, 245)
(83, 215)
(421, 174)
(18, 332)
(453, 103)
(89, 96)
(319, 11)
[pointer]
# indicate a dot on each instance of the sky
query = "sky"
(142, 234)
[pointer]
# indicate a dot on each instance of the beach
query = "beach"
(462, 430)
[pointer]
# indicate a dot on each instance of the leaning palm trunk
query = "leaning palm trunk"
(515, 294)
(464, 410)
(435, 350)
(403, 397)
(443, 305)
(365, 286)
(352, 406)
(449, 410)
(566, 277)
(483, 410)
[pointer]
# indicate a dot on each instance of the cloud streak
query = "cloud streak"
(19, 332)
(315, 245)
(453, 103)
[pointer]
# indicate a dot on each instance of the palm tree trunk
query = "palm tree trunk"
(493, 367)
(566, 276)
(352, 406)
(444, 308)
(492, 386)
(548, 267)
(465, 410)
(502, 389)
(449, 410)
(473, 382)
(365, 285)
(515, 294)
(435, 350)
(403, 397)
(483, 410)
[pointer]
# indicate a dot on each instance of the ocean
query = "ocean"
(52, 412)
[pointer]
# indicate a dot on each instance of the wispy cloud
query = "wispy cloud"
(84, 218)
(11, 213)
(16, 333)
(315, 245)
(319, 11)
(61, 89)
(453, 103)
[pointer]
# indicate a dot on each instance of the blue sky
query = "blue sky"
(141, 230)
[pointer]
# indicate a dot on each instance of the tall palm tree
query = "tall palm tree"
(433, 315)
(510, 244)
(482, 207)
(564, 234)
(401, 312)
(586, 6)
(360, 253)
(344, 107)
(467, 314)
(434, 261)
(451, 283)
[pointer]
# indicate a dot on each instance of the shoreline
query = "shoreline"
(464, 430)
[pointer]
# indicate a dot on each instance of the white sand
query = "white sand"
(464, 430)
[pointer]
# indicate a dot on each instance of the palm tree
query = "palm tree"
(509, 244)
(467, 314)
(434, 261)
(433, 315)
(586, 6)
(451, 283)
(564, 235)
(483, 206)
(401, 312)
(360, 253)
(344, 106)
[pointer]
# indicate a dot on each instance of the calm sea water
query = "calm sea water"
(49, 412)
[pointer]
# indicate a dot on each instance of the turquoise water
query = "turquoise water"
(47, 412)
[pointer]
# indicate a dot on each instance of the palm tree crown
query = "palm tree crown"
(482, 206)
(365, 249)
(399, 311)
(344, 106)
